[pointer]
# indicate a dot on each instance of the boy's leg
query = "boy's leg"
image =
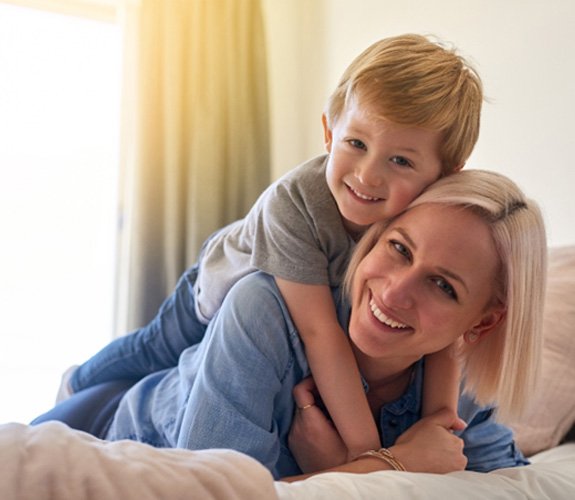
(149, 349)
(90, 410)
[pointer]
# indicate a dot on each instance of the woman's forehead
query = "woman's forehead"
(447, 236)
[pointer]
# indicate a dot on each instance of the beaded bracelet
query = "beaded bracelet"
(385, 455)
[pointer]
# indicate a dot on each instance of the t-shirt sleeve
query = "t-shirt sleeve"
(298, 232)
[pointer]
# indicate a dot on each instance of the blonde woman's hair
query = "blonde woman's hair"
(412, 80)
(503, 367)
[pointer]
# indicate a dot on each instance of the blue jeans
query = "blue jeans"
(154, 347)
(90, 410)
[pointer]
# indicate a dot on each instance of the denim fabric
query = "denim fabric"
(154, 347)
(234, 390)
(90, 410)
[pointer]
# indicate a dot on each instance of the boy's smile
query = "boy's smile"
(376, 167)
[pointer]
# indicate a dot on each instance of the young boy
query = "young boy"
(405, 113)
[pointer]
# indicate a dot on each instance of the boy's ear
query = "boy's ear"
(327, 134)
(458, 167)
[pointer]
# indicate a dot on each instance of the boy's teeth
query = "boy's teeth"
(383, 318)
(363, 196)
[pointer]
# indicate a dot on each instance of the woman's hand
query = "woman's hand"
(430, 445)
(313, 439)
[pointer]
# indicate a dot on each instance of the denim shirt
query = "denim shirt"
(234, 390)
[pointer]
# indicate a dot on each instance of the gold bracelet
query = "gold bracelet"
(385, 455)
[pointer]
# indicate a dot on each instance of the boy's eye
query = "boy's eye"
(356, 143)
(445, 287)
(401, 161)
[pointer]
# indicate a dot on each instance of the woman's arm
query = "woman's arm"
(332, 363)
(242, 377)
(489, 445)
(427, 446)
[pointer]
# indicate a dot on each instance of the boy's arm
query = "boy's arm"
(332, 363)
(441, 381)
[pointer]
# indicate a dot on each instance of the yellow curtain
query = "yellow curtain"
(196, 140)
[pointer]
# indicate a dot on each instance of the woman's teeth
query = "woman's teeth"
(386, 320)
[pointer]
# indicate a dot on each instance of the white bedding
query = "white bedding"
(551, 476)
(51, 461)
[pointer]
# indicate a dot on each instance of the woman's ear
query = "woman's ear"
(327, 134)
(488, 322)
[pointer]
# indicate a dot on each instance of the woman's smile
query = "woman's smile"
(425, 282)
(384, 318)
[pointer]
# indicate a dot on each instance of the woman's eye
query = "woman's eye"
(356, 143)
(401, 161)
(446, 288)
(401, 249)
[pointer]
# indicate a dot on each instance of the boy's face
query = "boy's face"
(376, 167)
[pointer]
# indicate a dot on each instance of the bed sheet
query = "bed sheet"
(51, 461)
(551, 476)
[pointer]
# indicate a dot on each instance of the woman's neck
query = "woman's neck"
(387, 379)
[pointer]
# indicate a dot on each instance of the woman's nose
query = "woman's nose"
(369, 172)
(398, 292)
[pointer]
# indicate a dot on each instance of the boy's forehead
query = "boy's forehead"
(368, 117)
(359, 113)
(362, 107)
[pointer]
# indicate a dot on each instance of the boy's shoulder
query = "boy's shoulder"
(303, 189)
(308, 172)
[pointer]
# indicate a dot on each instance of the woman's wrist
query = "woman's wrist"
(383, 455)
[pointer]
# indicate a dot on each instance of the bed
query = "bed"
(51, 461)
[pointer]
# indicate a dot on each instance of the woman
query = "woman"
(500, 351)
(464, 264)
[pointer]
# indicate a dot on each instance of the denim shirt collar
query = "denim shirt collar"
(411, 399)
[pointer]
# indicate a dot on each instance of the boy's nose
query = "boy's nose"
(369, 172)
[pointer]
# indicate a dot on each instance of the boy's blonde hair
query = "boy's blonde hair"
(411, 80)
(503, 366)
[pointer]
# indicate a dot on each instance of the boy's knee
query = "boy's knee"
(255, 309)
(255, 293)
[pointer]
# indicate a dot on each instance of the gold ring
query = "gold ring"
(302, 408)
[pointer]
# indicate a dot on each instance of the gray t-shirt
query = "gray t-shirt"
(294, 231)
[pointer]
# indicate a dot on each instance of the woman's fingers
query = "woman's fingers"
(304, 394)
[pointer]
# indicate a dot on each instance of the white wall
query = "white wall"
(523, 49)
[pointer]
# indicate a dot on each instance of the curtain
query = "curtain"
(195, 152)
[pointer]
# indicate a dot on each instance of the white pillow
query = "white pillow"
(551, 412)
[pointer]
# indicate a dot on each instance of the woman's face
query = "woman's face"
(428, 280)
